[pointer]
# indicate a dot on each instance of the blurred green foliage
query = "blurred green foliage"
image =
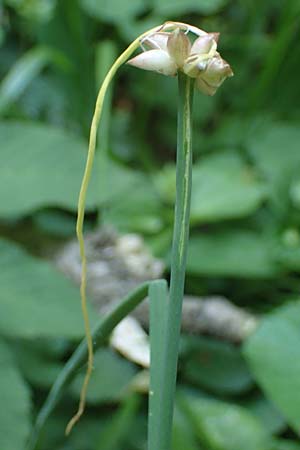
(245, 218)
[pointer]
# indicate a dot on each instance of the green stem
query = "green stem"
(100, 335)
(178, 263)
(158, 298)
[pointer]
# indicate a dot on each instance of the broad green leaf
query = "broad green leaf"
(284, 444)
(41, 166)
(137, 212)
(273, 353)
(115, 432)
(231, 132)
(35, 10)
(134, 27)
(224, 187)
(265, 411)
(232, 253)
(287, 250)
(130, 201)
(110, 378)
(215, 365)
(224, 426)
(35, 299)
(83, 436)
(275, 150)
(55, 223)
(183, 436)
(23, 72)
(178, 7)
(126, 181)
(36, 366)
(113, 10)
(15, 403)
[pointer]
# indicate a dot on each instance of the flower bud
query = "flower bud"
(155, 60)
(171, 51)
(216, 72)
(179, 47)
(204, 44)
(203, 49)
(213, 76)
(157, 40)
(204, 87)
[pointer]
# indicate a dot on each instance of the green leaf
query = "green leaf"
(55, 223)
(41, 166)
(265, 411)
(34, 10)
(275, 149)
(179, 7)
(225, 426)
(114, 434)
(15, 403)
(183, 436)
(131, 203)
(215, 365)
(232, 253)
(267, 145)
(28, 67)
(224, 187)
(36, 366)
(273, 353)
(35, 299)
(110, 378)
(282, 444)
(134, 27)
(113, 10)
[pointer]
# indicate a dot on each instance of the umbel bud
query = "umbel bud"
(168, 52)
(216, 72)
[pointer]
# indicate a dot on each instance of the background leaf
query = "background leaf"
(224, 187)
(114, 10)
(273, 353)
(278, 162)
(36, 300)
(215, 365)
(24, 71)
(15, 403)
(188, 6)
(223, 254)
(224, 426)
(57, 160)
(110, 378)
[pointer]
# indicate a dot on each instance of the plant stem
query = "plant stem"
(178, 263)
(158, 297)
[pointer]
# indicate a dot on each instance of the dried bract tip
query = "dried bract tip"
(215, 35)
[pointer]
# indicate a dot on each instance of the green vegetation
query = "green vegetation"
(245, 217)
